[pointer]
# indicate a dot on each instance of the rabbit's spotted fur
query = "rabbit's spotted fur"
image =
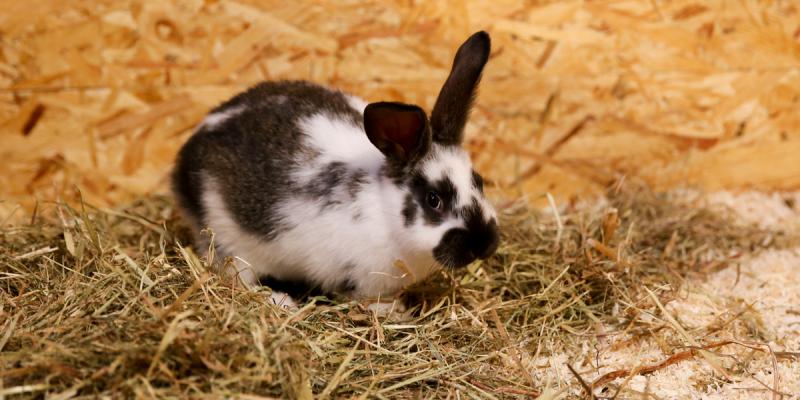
(310, 188)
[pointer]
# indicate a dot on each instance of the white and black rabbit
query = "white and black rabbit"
(310, 188)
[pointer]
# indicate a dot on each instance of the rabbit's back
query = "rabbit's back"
(259, 142)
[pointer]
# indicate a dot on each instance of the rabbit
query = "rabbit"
(311, 190)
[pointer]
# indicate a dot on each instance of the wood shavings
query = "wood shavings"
(742, 315)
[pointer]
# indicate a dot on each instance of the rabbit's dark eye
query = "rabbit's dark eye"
(434, 201)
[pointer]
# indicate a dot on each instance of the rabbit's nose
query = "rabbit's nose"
(485, 240)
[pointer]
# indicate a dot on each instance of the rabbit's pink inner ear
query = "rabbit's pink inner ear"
(404, 128)
(396, 129)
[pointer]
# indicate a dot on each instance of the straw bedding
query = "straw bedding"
(101, 94)
(106, 302)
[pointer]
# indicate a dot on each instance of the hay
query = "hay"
(100, 95)
(103, 302)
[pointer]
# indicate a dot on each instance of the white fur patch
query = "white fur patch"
(211, 121)
(356, 102)
(340, 140)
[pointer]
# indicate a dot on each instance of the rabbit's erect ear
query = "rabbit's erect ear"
(400, 131)
(452, 107)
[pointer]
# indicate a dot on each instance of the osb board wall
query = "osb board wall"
(99, 95)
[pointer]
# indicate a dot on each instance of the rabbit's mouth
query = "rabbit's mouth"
(459, 247)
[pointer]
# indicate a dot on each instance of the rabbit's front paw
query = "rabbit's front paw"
(394, 310)
(283, 300)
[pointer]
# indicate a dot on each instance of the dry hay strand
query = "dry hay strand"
(104, 302)
(101, 94)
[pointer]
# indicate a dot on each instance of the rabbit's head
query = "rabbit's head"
(444, 210)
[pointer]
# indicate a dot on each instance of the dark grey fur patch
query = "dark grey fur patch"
(346, 286)
(297, 289)
(460, 247)
(472, 212)
(477, 181)
(323, 186)
(395, 174)
(356, 180)
(251, 155)
(444, 188)
(484, 235)
(409, 210)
